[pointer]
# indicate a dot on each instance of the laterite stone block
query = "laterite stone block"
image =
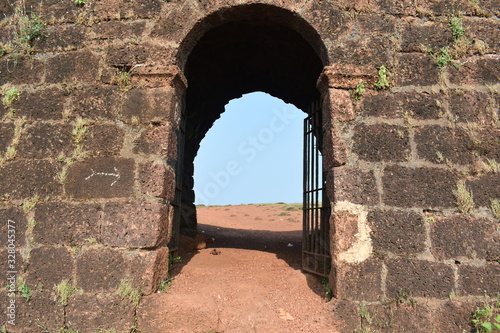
(485, 188)
(73, 66)
(353, 185)
(95, 312)
(419, 278)
(24, 178)
(438, 144)
(415, 69)
(398, 232)
(419, 187)
(358, 281)
(105, 177)
(134, 224)
(42, 310)
(381, 142)
(100, 269)
(453, 316)
(97, 102)
(417, 34)
(161, 140)
(6, 136)
(43, 104)
(479, 281)
(157, 179)
(44, 140)
(49, 265)
(66, 224)
(459, 237)
(105, 140)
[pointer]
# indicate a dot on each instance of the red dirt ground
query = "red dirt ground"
(253, 283)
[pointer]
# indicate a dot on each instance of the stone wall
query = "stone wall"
(91, 109)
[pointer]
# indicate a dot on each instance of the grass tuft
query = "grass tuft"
(464, 198)
(127, 291)
(65, 290)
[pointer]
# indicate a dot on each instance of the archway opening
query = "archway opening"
(242, 50)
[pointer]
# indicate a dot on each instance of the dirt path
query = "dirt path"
(247, 280)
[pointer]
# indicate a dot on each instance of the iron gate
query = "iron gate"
(316, 256)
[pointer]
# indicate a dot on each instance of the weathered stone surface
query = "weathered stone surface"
(157, 179)
(177, 23)
(453, 316)
(134, 224)
(24, 178)
(21, 71)
(381, 142)
(149, 268)
(105, 177)
(340, 106)
(101, 269)
(48, 266)
(440, 144)
(72, 66)
(55, 10)
(104, 140)
(362, 50)
(18, 227)
(419, 278)
(67, 224)
(379, 104)
(484, 189)
(116, 29)
(152, 105)
(398, 7)
(44, 104)
(460, 236)
(470, 106)
(415, 69)
(418, 34)
(161, 140)
(63, 38)
(92, 313)
(105, 10)
(486, 30)
(479, 70)
(6, 136)
(397, 232)
(334, 150)
(97, 102)
(358, 281)
(353, 185)
(346, 315)
(419, 187)
(42, 310)
(345, 230)
(44, 140)
(397, 318)
(420, 105)
(479, 281)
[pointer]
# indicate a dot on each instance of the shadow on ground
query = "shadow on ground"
(286, 245)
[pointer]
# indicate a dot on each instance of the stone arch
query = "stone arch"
(237, 50)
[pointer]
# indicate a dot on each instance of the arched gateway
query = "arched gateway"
(104, 104)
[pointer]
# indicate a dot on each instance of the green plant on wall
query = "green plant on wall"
(359, 90)
(487, 318)
(10, 96)
(383, 78)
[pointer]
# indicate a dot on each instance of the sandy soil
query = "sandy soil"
(247, 280)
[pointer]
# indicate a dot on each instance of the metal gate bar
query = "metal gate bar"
(316, 256)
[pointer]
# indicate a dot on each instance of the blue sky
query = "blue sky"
(252, 154)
